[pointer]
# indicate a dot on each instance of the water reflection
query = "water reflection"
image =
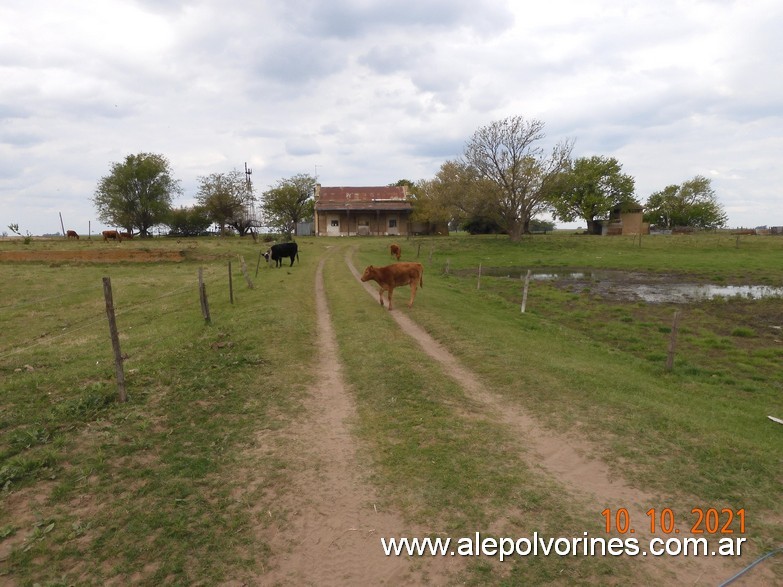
(631, 285)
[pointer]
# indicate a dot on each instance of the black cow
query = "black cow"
(280, 251)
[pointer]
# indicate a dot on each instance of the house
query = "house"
(626, 218)
(363, 211)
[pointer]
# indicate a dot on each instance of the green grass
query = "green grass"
(170, 488)
(147, 489)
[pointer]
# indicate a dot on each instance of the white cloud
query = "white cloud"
(371, 92)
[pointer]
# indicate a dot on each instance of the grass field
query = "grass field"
(170, 489)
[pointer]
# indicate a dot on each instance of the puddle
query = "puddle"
(654, 288)
(684, 292)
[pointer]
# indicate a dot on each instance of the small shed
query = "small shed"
(626, 218)
(362, 211)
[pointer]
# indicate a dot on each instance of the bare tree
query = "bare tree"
(507, 154)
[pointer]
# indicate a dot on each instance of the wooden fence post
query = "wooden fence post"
(418, 251)
(115, 341)
(244, 272)
(258, 263)
(673, 341)
(524, 292)
(202, 292)
(230, 283)
(478, 282)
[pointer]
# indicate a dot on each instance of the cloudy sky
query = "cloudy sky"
(367, 92)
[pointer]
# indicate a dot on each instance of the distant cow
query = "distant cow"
(395, 251)
(111, 235)
(127, 235)
(72, 234)
(280, 251)
(395, 275)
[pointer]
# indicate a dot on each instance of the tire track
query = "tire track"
(333, 535)
(567, 461)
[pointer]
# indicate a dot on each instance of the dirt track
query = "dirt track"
(333, 536)
(572, 462)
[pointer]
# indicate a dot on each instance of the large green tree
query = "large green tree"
(589, 188)
(228, 199)
(508, 155)
(188, 221)
(693, 203)
(137, 193)
(289, 202)
(459, 195)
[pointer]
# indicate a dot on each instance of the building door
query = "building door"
(393, 229)
(332, 226)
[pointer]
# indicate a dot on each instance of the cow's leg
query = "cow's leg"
(413, 293)
(380, 297)
(391, 289)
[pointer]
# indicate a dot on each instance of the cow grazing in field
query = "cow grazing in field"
(127, 235)
(72, 234)
(395, 251)
(280, 251)
(395, 275)
(111, 235)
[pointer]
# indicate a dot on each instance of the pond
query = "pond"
(636, 285)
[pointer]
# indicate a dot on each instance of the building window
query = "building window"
(392, 223)
(335, 223)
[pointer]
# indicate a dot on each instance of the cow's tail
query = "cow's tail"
(297, 256)
(421, 278)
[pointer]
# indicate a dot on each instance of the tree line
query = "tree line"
(502, 182)
(137, 195)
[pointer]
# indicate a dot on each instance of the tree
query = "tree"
(227, 198)
(589, 190)
(137, 194)
(290, 202)
(506, 154)
(457, 195)
(190, 221)
(694, 203)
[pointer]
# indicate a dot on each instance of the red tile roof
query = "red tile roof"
(362, 198)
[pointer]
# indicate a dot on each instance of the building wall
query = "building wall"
(633, 223)
(367, 222)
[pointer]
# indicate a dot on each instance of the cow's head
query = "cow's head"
(267, 255)
(369, 273)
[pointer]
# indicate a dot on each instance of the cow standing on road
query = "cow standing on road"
(395, 275)
(281, 251)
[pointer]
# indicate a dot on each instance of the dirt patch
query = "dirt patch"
(98, 255)
(574, 463)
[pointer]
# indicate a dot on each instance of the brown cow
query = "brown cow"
(395, 251)
(395, 275)
(72, 234)
(127, 235)
(111, 234)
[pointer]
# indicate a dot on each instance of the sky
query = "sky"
(368, 92)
